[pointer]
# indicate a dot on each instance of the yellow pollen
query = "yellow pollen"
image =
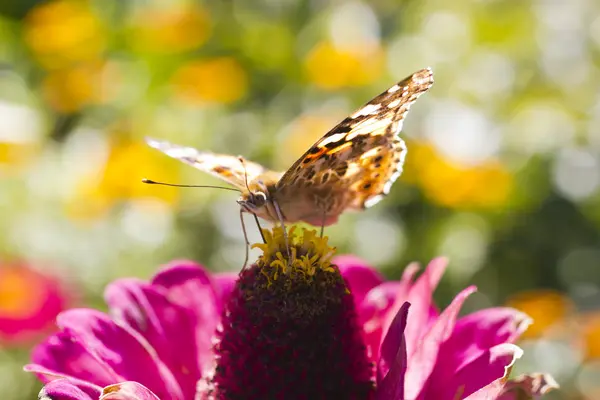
(308, 254)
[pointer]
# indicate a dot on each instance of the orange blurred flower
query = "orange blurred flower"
(547, 308)
(219, 80)
(591, 333)
(71, 89)
(332, 68)
(29, 303)
(62, 32)
(454, 185)
(128, 162)
(170, 30)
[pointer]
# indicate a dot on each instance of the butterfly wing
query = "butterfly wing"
(226, 167)
(355, 164)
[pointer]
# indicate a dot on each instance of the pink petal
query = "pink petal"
(168, 327)
(425, 356)
(392, 385)
(65, 389)
(47, 375)
(125, 351)
(190, 286)
(373, 311)
(128, 391)
(61, 353)
(358, 274)
(493, 391)
(480, 331)
(225, 282)
(492, 365)
(420, 297)
(381, 305)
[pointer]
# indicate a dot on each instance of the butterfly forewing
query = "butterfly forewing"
(226, 167)
(354, 165)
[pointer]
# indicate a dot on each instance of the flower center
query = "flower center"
(307, 253)
(304, 278)
(290, 330)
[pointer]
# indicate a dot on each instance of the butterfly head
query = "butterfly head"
(253, 201)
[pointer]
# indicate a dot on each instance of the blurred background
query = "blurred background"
(502, 173)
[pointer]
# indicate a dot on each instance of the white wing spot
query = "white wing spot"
(366, 110)
(403, 151)
(393, 89)
(370, 202)
(371, 126)
(388, 185)
(332, 139)
(394, 103)
(370, 153)
(399, 127)
(399, 167)
(181, 152)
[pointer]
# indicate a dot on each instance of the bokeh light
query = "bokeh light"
(502, 173)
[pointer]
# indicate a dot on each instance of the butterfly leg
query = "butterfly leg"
(260, 229)
(323, 223)
(285, 236)
(245, 239)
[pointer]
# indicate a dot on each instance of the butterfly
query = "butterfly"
(352, 167)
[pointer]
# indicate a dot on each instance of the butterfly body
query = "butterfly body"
(352, 167)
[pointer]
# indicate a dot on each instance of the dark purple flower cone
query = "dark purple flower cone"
(292, 335)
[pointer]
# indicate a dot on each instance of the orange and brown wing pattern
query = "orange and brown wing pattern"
(226, 167)
(363, 155)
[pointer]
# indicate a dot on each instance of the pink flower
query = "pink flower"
(29, 303)
(422, 353)
(158, 336)
(286, 329)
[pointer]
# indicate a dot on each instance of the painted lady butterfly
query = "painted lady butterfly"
(350, 168)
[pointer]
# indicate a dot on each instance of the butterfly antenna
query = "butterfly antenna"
(245, 171)
(323, 223)
(151, 182)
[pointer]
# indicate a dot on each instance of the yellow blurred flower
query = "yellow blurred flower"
(17, 154)
(454, 185)
(170, 30)
(332, 68)
(120, 180)
(219, 80)
(21, 129)
(70, 89)
(62, 32)
(547, 308)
